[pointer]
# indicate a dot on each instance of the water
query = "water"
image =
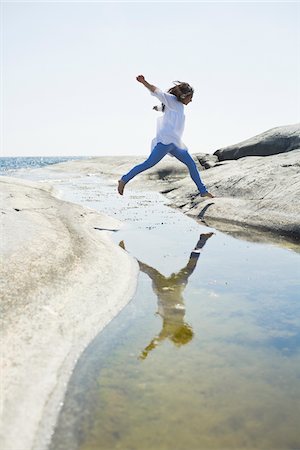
(206, 355)
(8, 165)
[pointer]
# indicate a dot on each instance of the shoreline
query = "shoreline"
(249, 192)
(52, 296)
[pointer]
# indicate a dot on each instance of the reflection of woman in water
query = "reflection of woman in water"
(170, 301)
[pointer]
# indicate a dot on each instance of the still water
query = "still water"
(205, 356)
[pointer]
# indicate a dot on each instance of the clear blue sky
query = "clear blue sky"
(69, 68)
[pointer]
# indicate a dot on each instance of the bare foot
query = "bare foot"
(207, 194)
(207, 235)
(121, 185)
(122, 245)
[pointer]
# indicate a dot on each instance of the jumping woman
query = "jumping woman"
(170, 128)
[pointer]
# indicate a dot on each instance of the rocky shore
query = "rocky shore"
(59, 266)
(261, 193)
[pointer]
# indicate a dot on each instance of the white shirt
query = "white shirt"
(170, 125)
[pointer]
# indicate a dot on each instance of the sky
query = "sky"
(68, 77)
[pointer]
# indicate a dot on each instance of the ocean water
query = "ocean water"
(8, 165)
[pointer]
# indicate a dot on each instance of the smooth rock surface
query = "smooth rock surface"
(271, 142)
(58, 291)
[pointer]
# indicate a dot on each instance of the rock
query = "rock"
(207, 161)
(271, 142)
(53, 301)
(260, 192)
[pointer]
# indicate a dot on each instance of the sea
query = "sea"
(8, 165)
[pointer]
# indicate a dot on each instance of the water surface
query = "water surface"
(18, 165)
(206, 355)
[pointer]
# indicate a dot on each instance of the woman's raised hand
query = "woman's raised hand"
(140, 78)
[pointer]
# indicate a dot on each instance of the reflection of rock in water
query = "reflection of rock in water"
(171, 305)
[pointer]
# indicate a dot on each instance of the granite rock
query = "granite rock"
(258, 192)
(271, 142)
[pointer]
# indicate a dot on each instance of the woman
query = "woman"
(170, 128)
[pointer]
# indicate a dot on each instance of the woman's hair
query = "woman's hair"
(181, 90)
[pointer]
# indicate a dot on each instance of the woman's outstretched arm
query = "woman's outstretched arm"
(141, 79)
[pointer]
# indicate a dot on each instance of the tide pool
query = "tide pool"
(206, 355)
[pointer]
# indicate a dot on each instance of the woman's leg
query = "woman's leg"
(159, 151)
(185, 157)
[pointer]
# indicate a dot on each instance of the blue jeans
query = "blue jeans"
(159, 151)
